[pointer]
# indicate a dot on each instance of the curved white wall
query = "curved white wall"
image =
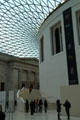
(53, 70)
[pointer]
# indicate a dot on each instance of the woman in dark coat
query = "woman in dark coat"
(58, 104)
(45, 106)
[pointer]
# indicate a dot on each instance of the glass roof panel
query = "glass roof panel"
(19, 23)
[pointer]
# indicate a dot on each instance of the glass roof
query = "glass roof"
(19, 22)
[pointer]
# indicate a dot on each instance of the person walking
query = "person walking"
(67, 106)
(58, 104)
(45, 106)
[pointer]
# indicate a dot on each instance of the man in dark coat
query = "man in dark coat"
(67, 106)
(27, 105)
(40, 105)
(45, 105)
(58, 105)
(2, 114)
(32, 107)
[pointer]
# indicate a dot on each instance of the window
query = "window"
(78, 24)
(56, 41)
(41, 49)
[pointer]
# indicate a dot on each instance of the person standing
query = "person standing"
(40, 105)
(67, 106)
(36, 105)
(32, 107)
(7, 105)
(30, 88)
(58, 104)
(2, 114)
(45, 106)
(27, 105)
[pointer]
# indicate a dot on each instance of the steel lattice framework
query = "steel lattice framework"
(19, 21)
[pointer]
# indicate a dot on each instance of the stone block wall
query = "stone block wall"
(16, 71)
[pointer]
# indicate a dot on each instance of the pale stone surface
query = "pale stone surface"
(71, 93)
(54, 70)
(51, 115)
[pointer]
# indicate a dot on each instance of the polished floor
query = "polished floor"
(50, 115)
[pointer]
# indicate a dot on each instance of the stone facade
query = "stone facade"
(14, 72)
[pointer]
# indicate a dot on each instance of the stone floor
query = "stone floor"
(50, 115)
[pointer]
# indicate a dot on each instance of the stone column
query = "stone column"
(27, 82)
(20, 77)
(25, 77)
(36, 80)
(29, 77)
(13, 80)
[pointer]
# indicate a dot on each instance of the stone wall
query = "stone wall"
(17, 71)
(3, 73)
(71, 93)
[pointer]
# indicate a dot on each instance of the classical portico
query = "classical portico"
(18, 71)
